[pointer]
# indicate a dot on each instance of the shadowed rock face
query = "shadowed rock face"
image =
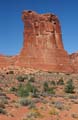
(42, 47)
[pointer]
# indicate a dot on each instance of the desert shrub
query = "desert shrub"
(72, 97)
(20, 78)
(27, 89)
(10, 72)
(53, 82)
(2, 111)
(53, 111)
(47, 89)
(3, 101)
(31, 88)
(13, 89)
(2, 105)
(32, 79)
(59, 105)
(32, 105)
(25, 101)
(2, 94)
(69, 88)
(45, 86)
(60, 82)
(22, 91)
(34, 114)
(1, 89)
(25, 76)
(51, 90)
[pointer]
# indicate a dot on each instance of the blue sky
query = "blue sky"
(11, 25)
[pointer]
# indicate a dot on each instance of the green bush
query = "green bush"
(60, 82)
(20, 78)
(69, 88)
(45, 86)
(2, 111)
(25, 102)
(47, 89)
(32, 79)
(13, 89)
(53, 82)
(22, 91)
(31, 88)
(26, 90)
(51, 91)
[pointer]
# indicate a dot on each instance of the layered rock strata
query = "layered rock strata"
(42, 46)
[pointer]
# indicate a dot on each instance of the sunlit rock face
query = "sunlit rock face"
(6, 61)
(43, 47)
(3, 61)
(74, 61)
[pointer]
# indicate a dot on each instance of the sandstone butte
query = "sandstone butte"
(42, 47)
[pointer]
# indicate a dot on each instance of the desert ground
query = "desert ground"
(38, 95)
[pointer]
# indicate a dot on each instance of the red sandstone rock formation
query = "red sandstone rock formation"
(43, 48)
(3, 61)
(74, 61)
(6, 61)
